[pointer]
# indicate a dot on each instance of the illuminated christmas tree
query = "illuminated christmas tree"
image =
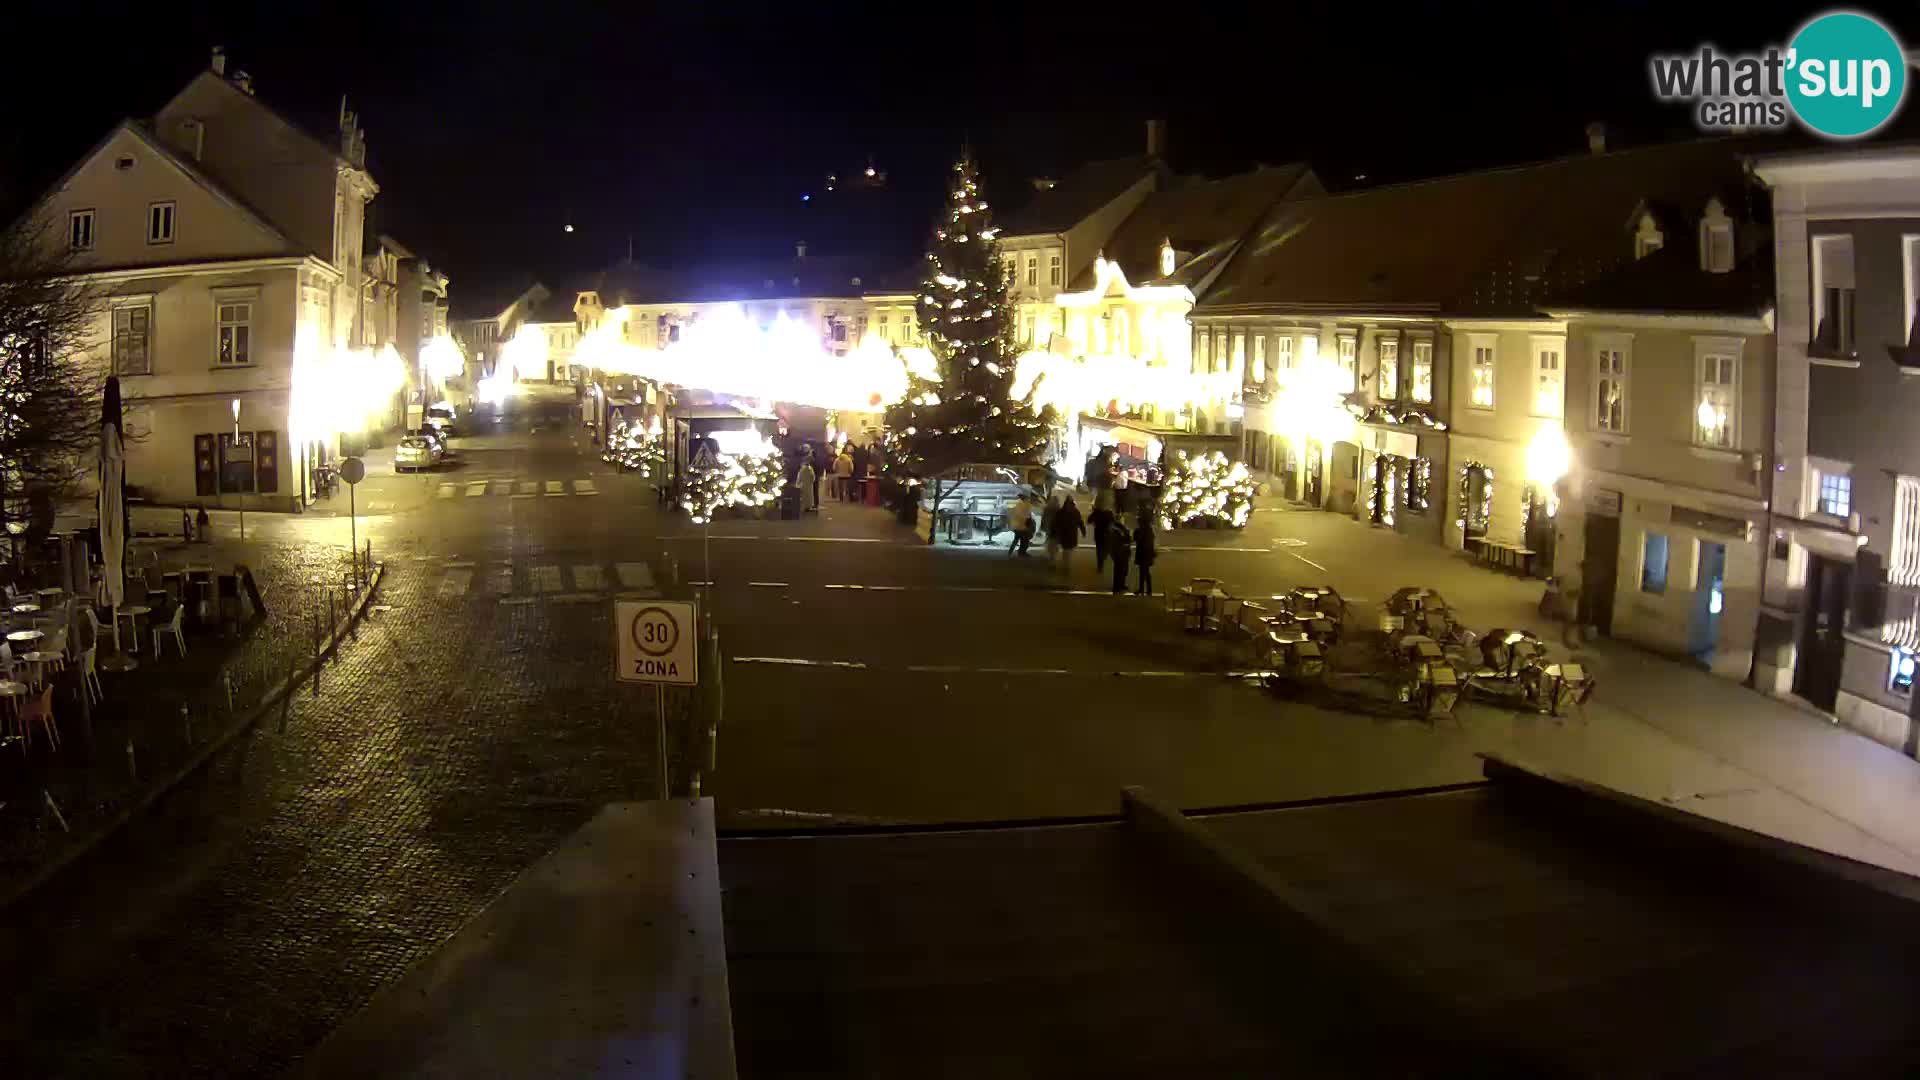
(968, 413)
(1208, 487)
(748, 481)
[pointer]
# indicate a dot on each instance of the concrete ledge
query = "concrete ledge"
(15, 891)
(1392, 1006)
(1776, 864)
(605, 958)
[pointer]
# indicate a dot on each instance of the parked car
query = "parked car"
(442, 418)
(417, 452)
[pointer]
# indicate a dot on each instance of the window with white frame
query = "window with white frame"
(1480, 394)
(1835, 498)
(1202, 354)
(1910, 265)
(133, 338)
(1387, 371)
(1610, 374)
(1053, 268)
(1222, 360)
(1122, 333)
(1011, 264)
(1716, 412)
(80, 230)
(1238, 358)
(1259, 370)
(1648, 238)
(1421, 387)
(1549, 377)
(1030, 321)
(1833, 295)
(160, 223)
(1283, 352)
(1349, 356)
(234, 335)
(1033, 270)
(1903, 565)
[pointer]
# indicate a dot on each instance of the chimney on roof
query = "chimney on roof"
(1156, 138)
(243, 82)
(1596, 138)
(220, 60)
(800, 250)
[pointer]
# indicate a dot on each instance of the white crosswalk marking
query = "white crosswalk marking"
(529, 487)
(585, 487)
(448, 491)
(634, 575)
(502, 487)
(546, 579)
(587, 577)
(455, 583)
(554, 487)
(478, 487)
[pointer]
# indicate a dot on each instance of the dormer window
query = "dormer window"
(1166, 258)
(1716, 239)
(1647, 238)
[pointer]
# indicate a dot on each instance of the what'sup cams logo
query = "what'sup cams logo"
(1844, 75)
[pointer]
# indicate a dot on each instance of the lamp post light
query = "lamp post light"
(243, 494)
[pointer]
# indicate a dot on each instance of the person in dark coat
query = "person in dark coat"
(1067, 527)
(1120, 546)
(1100, 525)
(1143, 553)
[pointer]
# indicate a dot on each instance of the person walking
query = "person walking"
(1048, 516)
(1020, 520)
(809, 483)
(1143, 553)
(843, 475)
(1100, 524)
(1067, 527)
(1120, 546)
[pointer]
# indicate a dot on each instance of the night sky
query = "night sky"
(697, 133)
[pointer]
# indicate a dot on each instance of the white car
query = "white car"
(416, 452)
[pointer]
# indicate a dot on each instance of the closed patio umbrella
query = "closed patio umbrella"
(113, 514)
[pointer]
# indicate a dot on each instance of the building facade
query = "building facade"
(224, 246)
(1843, 573)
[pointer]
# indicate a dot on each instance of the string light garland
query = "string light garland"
(1419, 483)
(960, 404)
(1207, 487)
(1466, 492)
(749, 481)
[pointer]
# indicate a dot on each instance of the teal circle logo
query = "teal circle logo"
(1846, 74)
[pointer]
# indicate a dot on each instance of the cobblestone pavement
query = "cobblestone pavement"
(137, 735)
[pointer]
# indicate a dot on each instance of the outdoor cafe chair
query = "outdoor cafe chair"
(90, 675)
(93, 622)
(173, 627)
(39, 708)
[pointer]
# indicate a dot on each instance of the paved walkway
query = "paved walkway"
(1657, 727)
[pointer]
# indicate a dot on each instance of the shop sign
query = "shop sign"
(1603, 501)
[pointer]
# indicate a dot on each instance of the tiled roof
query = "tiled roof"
(1671, 281)
(1078, 194)
(1204, 219)
(756, 279)
(1490, 243)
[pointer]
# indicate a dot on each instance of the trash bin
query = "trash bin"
(870, 490)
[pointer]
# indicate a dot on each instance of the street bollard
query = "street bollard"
(186, 722)
(229, 681)
(316, 654)
(133, 767)
(286, 699)
(332, 634)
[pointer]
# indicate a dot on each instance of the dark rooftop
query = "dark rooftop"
(1488, 243)
(1204, 219)
(1076, 195)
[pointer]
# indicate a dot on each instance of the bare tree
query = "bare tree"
(50, 386)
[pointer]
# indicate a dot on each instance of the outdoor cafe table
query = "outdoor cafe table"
(21, 637)
(40, 660)
(50, 594)
(133, 615)
(12, 692)
(1202, 607)
(25, 609)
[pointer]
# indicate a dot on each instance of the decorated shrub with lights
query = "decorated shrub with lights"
(1206, 488)
(964, 408)
(748, 481)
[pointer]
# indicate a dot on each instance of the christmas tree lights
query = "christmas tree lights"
(748, 481)
(964, 408)
(1203, 488)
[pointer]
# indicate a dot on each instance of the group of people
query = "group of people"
(1064, 526)
(844, 467)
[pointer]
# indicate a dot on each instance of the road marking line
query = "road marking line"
(526, 496)
(529, 487)
(1309, 562)
(573, 597)
(546, 579)
(447, 491)
(767, 584)
(458, 564)
(554, 487)
(1243, 550)
(456, 582)
(516, 600)
(634, 575)
(793, 661)
(477, 488)
(839, 540)
(588, 577)
(584, 487)
(888, 588)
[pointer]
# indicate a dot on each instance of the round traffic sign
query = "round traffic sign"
(353, 470)
(655, 631)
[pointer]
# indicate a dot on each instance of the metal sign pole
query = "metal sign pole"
(353, 529)
(660, 728)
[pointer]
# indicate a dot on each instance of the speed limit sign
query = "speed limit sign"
(653, 642)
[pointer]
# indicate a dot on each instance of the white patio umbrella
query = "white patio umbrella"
(113, 516)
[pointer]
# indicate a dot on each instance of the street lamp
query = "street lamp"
(236, 446)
